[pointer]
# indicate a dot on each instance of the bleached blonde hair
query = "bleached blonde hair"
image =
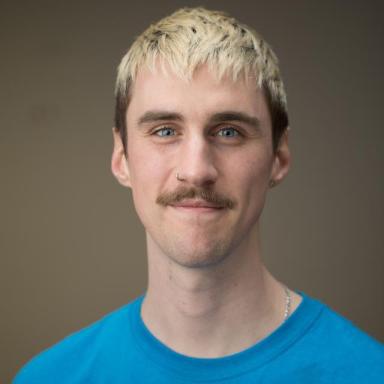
(191, 37)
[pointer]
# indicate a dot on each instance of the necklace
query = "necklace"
(287, 303)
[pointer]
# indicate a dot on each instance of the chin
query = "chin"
(198, 256)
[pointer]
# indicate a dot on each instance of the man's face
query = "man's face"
(216, 136)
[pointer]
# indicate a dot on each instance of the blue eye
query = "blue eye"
(228, 132)
(164, 132)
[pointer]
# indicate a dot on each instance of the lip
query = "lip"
(197, 206)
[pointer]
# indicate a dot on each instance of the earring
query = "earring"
(178, 177)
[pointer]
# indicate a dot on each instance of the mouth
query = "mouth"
(196, 206)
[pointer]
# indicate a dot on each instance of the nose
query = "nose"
(196, 162)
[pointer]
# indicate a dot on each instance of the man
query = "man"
(201, 136)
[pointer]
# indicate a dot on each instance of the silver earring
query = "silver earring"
(178, 177)
(272, 183)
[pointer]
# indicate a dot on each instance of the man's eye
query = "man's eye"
(228, 132)
(164, 132)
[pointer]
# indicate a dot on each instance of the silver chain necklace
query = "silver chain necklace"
(287, 303)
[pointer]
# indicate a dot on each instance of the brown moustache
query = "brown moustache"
(169, 198)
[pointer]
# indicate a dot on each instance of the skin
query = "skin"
(206, 276)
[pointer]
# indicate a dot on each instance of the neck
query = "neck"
(212, 311)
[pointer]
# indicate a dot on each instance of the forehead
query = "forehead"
(196, 98)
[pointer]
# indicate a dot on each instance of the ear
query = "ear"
(282, 160)
(119, 161)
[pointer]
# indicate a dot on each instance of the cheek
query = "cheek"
(252, 180)
(255, 185)
(148, 173)
(146, 166)
(252, 169)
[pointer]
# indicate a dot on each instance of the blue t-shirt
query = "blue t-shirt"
(315, 345)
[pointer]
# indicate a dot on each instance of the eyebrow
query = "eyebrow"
(216, 118)
(153, 116)
(235, 116)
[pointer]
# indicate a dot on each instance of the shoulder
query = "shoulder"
(346, 334)
(77, 352)
(343, 348)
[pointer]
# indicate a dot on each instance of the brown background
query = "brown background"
(70, 243)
